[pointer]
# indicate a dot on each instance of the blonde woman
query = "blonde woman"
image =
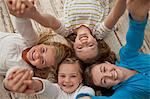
(26, 49)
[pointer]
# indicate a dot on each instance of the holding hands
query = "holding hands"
(20, 80)
(22, 8)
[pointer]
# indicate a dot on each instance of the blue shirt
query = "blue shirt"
(137, 86)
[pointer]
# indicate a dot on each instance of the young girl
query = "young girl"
(82, 18)
(129, 77)
(26, 49)
(68, 86)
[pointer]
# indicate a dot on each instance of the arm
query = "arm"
(23, 26)
(26, 9)
(137, 23)
(115, 13)
(109, 22)
(48, 89)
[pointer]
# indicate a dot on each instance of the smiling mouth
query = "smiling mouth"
(68, 86)
(114, 74)
(83, 37)
(32, 55)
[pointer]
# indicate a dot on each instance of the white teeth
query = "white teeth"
(115, 74)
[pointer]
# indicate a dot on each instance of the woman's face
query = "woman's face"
(107, 75)
(85, 44)
(41, 56)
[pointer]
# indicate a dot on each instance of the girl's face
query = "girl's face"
(85, 44)
(107, 75)
(69, 77)
(41, 56)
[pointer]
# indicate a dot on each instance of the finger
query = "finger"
(22, 88)
(29, 83)
(18, 7)
(31, 75)
(18, 71)
(27, 3)
(29, 91)
(10, 84)
(14, 3)
(33, 1)
(23, 6)
(19, 82)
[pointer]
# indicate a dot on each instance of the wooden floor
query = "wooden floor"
(55, 7)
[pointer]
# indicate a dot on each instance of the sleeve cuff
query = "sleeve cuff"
(83, 95)
(137, 24)
(43, 83)
(21, 20)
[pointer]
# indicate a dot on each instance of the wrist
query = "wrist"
(35, 16)
(38, 85)
(138, 18)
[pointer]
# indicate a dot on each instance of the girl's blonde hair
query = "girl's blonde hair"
(62, 51)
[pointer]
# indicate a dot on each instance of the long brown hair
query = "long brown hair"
(104, 54)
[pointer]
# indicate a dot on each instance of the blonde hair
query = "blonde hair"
(62, 51)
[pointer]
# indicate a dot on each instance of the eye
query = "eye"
(73, 76)
(42, 50)
(79, 47)
(91, 45)
(103, 81)
(43, 62)
(62, 76)
(104, 69)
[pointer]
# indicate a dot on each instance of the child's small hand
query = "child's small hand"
(33, 86)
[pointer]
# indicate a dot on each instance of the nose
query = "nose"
(67, 79)
(37, 55)
(84, 42)
(108, 74)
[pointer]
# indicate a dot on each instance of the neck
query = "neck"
(24, 55)
(129, 73)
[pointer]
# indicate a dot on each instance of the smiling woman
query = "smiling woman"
(26, 49)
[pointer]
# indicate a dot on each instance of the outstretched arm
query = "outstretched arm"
(26, 9)
(138, 10)
(115, 13)
(109, 22)
(23, 26)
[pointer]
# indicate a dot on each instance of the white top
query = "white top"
(85, 12)
(13, 44)
(53, 91)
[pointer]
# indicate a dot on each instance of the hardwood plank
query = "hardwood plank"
(5, 21)
(3, 93)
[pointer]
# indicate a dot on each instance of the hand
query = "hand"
(21, 8)
(138, 8)
(15, 82)
(33, 86)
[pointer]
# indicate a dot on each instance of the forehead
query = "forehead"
(96, 75)
(50, 55)
(69, 68)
